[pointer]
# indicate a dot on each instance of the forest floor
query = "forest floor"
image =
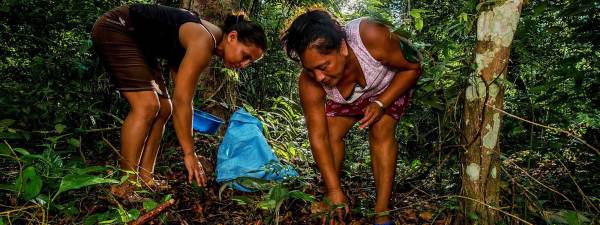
(544, 191)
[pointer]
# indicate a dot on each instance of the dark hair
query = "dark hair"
(317, 27)
(248, 31)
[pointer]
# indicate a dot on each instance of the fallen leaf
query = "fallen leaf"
(409, 215)
(426, 216)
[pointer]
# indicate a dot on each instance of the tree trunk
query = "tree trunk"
(480, 161)
(217, 88)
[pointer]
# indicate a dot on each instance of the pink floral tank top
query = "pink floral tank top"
(377, 75)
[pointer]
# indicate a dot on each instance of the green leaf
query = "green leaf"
(241, 200)
(74, 142)
(418, 24)
(89, 169)
(197, 187)
(123, 214)
(278, 193)
(473, 216)
(108, 221)
(71, 211)
(571, 218)
(415, 163)
(2, 221)
(5, 123)
(22, 151)
(149, 204)
(91, 220)
(463, 17)
(76, 181)
(167, 198)
(8, 187)
(42, 200)
(267, 204)
(133, 214)
(59, 128)
(302, 196)
(415, 13)
(223, 187)
(253, 183)
(539, 9)
(574, 218)
(29, 183)
(4, 150)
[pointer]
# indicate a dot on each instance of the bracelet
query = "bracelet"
(379, 103)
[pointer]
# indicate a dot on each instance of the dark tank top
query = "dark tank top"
(156, 28)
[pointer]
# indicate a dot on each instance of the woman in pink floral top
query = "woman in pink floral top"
(361, 73)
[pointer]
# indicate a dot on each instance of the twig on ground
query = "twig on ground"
(83, 131)
(526, 192)
(81, 151)
(114, 117)
(112, 147)
(8, 212)
(492, 207)
(150, 215)
(121, 157)
(464, 197)
(20, 167)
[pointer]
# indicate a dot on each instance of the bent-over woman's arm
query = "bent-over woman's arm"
(197, 58)
(384, 46)
(312, 99)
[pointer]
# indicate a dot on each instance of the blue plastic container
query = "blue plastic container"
(204, 122)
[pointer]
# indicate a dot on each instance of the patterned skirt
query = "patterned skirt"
(356, 108)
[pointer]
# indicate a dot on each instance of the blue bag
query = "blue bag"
(245, 153)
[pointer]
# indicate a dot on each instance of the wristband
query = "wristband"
(379, 103)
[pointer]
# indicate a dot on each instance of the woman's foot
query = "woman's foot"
(126, 192)
(334, 208)
(157, 185)
(383, 218)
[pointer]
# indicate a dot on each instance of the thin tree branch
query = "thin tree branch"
(583, 195)
(548, 127)
(543, 185)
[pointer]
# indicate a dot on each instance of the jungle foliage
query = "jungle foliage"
(59, 119)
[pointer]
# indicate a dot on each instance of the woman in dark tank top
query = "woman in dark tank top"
(129, 40)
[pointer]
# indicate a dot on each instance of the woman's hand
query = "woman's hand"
(373, 113)
(336, 207)
(195, 169)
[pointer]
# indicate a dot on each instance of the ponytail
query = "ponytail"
(233, 19)
(248, 32)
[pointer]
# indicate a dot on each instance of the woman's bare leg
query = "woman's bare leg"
(144, 109)
(153, 142)
(384, 150)
(338, 127)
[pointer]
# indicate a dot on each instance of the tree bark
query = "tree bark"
(480, 160)
(217, 89)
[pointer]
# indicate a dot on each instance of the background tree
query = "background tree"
(59, 119)
(496, 26)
